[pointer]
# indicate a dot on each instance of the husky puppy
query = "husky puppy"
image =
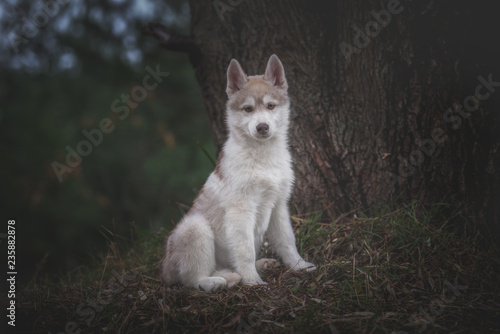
(246, 196)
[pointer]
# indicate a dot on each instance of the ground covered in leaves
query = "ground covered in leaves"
(410, 270)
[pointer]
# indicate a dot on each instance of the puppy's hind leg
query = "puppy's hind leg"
(197, 255)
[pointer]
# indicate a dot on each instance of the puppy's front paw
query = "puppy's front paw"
(304, 265)
(266, 264)
(310, 267)
(252, 282)
(212, 284)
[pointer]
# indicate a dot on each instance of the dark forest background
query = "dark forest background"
(398, 224)
(67, 66)
(62, 81)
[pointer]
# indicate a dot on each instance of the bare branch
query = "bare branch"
(172, 40)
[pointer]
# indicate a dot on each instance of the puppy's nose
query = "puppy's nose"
(263, 128)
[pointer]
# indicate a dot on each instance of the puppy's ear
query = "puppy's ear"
(236, 78)
(275, 73)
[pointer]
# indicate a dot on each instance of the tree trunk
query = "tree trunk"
(380, 95)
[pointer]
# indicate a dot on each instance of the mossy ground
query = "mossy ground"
(410, 270)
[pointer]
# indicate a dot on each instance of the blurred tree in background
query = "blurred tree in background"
(397, 110)
(62, 66)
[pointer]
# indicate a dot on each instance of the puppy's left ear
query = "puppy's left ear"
(275, 73)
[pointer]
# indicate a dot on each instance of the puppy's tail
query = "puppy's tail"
(168, 272)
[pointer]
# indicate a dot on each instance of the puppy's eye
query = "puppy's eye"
(270, 106)
(248, 109)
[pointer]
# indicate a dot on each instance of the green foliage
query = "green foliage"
(140, 171)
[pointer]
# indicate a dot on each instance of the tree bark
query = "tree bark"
(371, 125)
